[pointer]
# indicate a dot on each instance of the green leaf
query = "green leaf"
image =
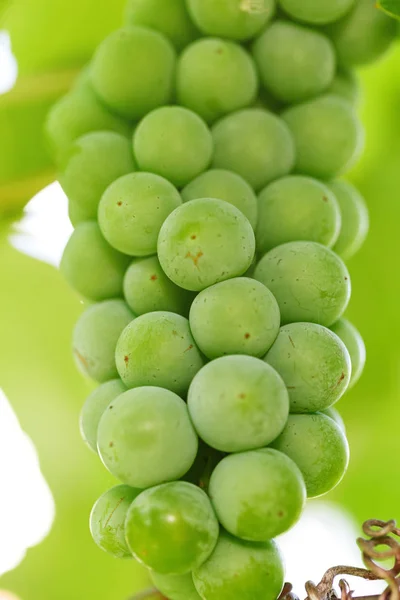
(391, 7)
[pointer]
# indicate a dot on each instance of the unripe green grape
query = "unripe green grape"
(237, 404)
(133, 71)
(224, 185)
(328, 136)
(145, 437)
(132, 210)
(332, 413)
(239, 569)
(297, 208)
(92, 267)
(354, 343)
(173, 142)
(78, 214)
(316, 12)
(158, 349)
(107, 520)
(93, 162)
(319, 448)
(216, 77)
(363, 35)
(233, 19)
(355, 219)
(95, 338)
(169, 17)
(254, 144)
(94, 407)
(314, 364)
(238, 316)
(172, 528)
(346, 85)
(295, 62)
(148, 289)
(309, 281)
(205, 241)
(175, 587)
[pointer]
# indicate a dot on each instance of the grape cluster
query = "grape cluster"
(200, 151)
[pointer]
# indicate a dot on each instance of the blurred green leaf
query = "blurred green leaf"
(391, 7)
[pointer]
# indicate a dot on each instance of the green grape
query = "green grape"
(257, 495)
(314, 364)
(145, 437)
(91, 266)
(94, 407)
(205, 241)
(107, 520)
(75, 114)
(132, 210)
(346, 85)
(354, 343)
(232, 19)
(332, 413)
(78, 214)
(297, 208)
(363, 35)
(316, 12)
(328, 136)
(254, 144)
(172, 528)
(294, 62)
(148, 289)
(227, 186)
(319, 448)
(239, 569)
(175, 587)
(95, 338)
(133, 71)
(92, 163)
(158, 349)
(173, 142)
(310, 282)
(216, 77)
(355, 219)
(169, 17)
(238, 316)
(237, 404)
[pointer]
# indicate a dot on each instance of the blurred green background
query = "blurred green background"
(37, 310)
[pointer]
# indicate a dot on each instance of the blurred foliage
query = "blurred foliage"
(391, 7)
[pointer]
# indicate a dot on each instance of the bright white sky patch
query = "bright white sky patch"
(8, 66)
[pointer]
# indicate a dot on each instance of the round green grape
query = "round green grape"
(363, 35)
(355, 219)
(78, 214)
(173, 142)
(148, 289)
(133, 71)
(205, 241)
(233, 19)
(237, 404)
(317, 12)
(346, 85)
(314, 364)
(90, 266)
(94, 407)
(332, 413)
(310, 282)
(145, 437)
(95, 338)
(354, 343)
(238, 316)
(239, 569)
(93, 162)
(295, 62)
(158, 349)
(172, 528)
(107, 520)
(328, 136)
(132, 210)
(297, 208)
(216, 77)
(254, 144)
(175, 587)
(319, 448)
(224, 185)
(169, 17)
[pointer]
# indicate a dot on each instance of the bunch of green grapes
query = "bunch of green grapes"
(202, 152)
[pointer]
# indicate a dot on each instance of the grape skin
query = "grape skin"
(354, 343)
(355, 219)
(175, 587)
(318, 12)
